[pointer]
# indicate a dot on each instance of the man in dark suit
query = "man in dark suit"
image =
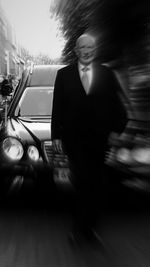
(86, 109)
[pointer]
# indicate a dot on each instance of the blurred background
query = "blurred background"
(44, 32)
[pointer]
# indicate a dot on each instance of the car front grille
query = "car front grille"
(58, 160)
(48, 151)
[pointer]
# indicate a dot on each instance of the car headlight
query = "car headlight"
(33, 153)
(124, 156)
(141, 155)
(12, 148)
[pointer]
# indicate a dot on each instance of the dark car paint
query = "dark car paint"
(26, 129)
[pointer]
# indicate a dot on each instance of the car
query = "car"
(129, 157)
(26, 153)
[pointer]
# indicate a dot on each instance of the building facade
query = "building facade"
(11, 62)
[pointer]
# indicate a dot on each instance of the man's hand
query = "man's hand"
(57, 146)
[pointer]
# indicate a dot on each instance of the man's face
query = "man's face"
(86, 49)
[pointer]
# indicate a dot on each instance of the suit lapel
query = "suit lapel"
(77, 80)
(97, 81)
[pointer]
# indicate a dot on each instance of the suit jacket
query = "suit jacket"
(78, 117)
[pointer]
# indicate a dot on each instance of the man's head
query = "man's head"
(86, 48)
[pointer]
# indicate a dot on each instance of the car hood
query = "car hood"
(29, 129)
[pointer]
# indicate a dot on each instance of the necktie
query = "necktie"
(85, 79)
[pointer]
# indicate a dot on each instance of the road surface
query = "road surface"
(34, 233)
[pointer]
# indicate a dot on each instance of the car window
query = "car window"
(35, 102)
(44, 76)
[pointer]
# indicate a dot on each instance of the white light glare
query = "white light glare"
(33, 153)
(12, 148)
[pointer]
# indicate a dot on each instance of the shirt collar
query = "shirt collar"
(81, 66)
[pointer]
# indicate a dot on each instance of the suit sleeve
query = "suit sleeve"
(57, 109)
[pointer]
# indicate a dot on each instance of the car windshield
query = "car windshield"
(35, 101)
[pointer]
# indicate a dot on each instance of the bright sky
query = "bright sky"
(33, 26)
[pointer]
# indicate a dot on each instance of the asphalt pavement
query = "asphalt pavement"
(34, 232)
